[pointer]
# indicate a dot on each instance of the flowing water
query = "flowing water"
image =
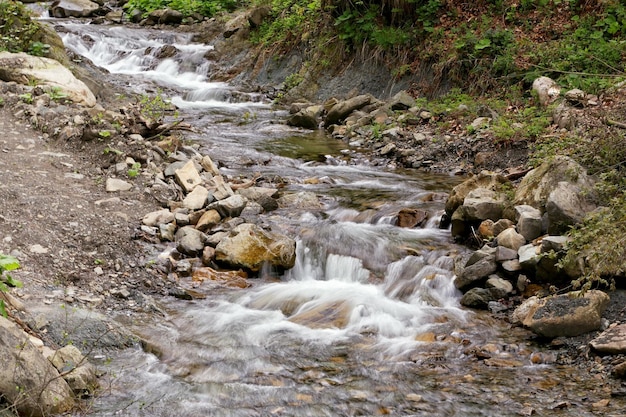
(367, 323)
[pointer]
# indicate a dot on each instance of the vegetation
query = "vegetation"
(186, 7)
(7, 263)
(18, 32)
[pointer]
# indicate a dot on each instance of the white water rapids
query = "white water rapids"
(367, 323)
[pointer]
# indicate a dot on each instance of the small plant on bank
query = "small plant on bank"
(26, 98)
(56, 94)
(7, 263)
(133, 171)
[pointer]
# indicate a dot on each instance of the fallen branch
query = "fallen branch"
(615, 123)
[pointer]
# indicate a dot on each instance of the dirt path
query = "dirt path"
(73, 239)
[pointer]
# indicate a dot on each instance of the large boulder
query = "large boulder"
(478, 267)
(547, 90)
(78, 372)
(342, 109)
(73, 8)
(28, 381)
(564, 315)
(536, 186)
(250, 247)
(566, 206)
(27, 69)
(307, 118)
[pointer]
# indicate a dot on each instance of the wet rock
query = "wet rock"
(158, 217)
(114, 185)
(479, 298)
(611, 341)
(230, 207)
(565, 315)
(250, 247)
(326, 315)
(28, 381)
(196, 199)
(232, 279)
(189, 241)
(301, 200)
(76, 370)
(24, 69)
(509, 238)
(410, 218)
(547, 90)
(188, 176)
(342, 109)
(308, 118)
(480, 265)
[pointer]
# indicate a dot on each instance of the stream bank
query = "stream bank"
(128, 281)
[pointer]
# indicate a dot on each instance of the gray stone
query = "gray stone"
(485, 179)
(166, 231)
(554, 243)
(479, 298)
(73, 8)
(547, 90)
(189, 241)
(529, 222)
(188, 176)
(158, 217)
(301, 200)
(512, 266)
(250, 247)
(308, 118)
(221, 190)
(509, 238)
(230, 207)
(564, 315)
(505, 254)
(481, 204)
(566, 207)
(475, 273)
(209, 166)
(196, 199)
(401, 101)
(166, 16)
(171, 169)
(28, 381)
(528, 256)
(114, 185)
(501, 225)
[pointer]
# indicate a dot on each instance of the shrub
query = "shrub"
(7, 263)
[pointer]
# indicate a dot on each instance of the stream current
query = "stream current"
(367, 323)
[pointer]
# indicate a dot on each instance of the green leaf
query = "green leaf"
(13, 282)
(8, 263)
(3, 310)
(482, 44)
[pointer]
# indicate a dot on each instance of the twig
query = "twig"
(615, 123)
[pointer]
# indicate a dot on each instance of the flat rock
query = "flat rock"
(115, 184)
(188, 176)
(612, 341)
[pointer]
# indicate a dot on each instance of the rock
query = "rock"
(170, 170)
(189, 241)
(188, 176)
(401, 101)
(221, 190)
(236, 24)
(308, 118)
(114, 185)
(324, 315)
(230, 207)
(208, 220)
(536, 186)
(77, 371)
(528, 256)
(196, 199)
(554, 243)
(165, 16)
(232, 279)
(342, 109)
(387, 149)
(485, 179)
(505, 287)
(301, 200)
(28, 381)
(612, 341)
(27, 69)
(505, 254)
(509, 238)
(485, 229)
(479, 298)
(576, 97)
(501, 225)
(410, 218)
(529, 222)
(566, 206)
(564, 117)
(564, 315)
(480, 265)
(73, 8)
(166, 232)
(547, 90)
(481, 204)
(209, 166)
(158, 217)
(250, 247)
(480, 123)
